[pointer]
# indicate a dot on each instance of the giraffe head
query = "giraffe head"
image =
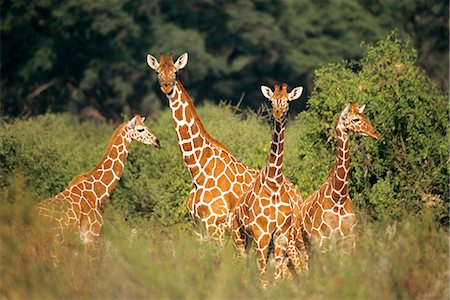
(139, 132)
(166, 70)
(353, 119)
(280, 98)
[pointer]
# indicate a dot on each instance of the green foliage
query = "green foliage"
(406, 171)
(85, 54)
(142, 259)
(52, 149)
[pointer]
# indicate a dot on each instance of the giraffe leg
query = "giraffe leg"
(238, 236)
(297, 252)
(262, 251)
(280, 247)
(197, 223)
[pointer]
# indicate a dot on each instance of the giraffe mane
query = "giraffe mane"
(112, 140)
(199, 122)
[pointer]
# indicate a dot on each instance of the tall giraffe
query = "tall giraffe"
(218, 178)
(266, 210)
(78, 206)
(327, 215)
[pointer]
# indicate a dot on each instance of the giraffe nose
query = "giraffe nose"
(166, 88)
(276, 113)
(157, 144)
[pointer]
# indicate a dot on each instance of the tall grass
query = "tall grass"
(144, 260)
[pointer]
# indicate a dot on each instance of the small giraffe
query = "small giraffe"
(327, 215)
(78, 206)
(266, 211)
(218, 178)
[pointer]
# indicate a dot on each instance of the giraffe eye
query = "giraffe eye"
(355, 120)
(140, 129)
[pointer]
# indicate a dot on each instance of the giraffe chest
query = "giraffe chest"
(265, 208)
(324, 219)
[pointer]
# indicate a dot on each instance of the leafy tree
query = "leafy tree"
(404, 173)
(71, 55)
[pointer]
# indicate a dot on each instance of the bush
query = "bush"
(404, 173)
(52, 149)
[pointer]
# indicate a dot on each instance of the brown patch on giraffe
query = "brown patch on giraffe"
(187, 146)
(237, 189)
(194, 170)
(179, 114)
(331, 219)
(215, 193)
(76, 190)
(327, 203)
(201, 178)
(203, 211)
(207, 152)
(335, 195)
(184, 132)
(108, 177)
(209, 183)
(117, 167)
(230, 175)
(107, 164)
(224, 184)
(248, 178)
(99, 189)
(307, 224)
(90, 196)
(122, 156)
(317, 217)
(88, 185)
(220, 166)
(198, 142)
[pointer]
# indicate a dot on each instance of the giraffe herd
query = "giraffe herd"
(259, 207)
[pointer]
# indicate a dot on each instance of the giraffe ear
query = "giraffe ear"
(345, 112)
(361, 108)
(132, 123)
(152, 62)
(181, 61)
(295, 93)
(266, 91)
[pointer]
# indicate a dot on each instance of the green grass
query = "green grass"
(145, 260)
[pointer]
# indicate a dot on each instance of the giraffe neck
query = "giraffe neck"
(106, 174)
(192, 136)
(339, 178)
(274, 164)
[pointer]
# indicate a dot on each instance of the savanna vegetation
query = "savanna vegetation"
(399, 186)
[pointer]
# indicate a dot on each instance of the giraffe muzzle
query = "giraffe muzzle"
(157, 144)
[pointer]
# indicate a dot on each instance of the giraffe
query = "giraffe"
(266, 211)
(327, 215)
(218, 178)
(78, 206)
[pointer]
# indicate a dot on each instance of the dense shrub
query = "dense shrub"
(406, 171)
(52, 149)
